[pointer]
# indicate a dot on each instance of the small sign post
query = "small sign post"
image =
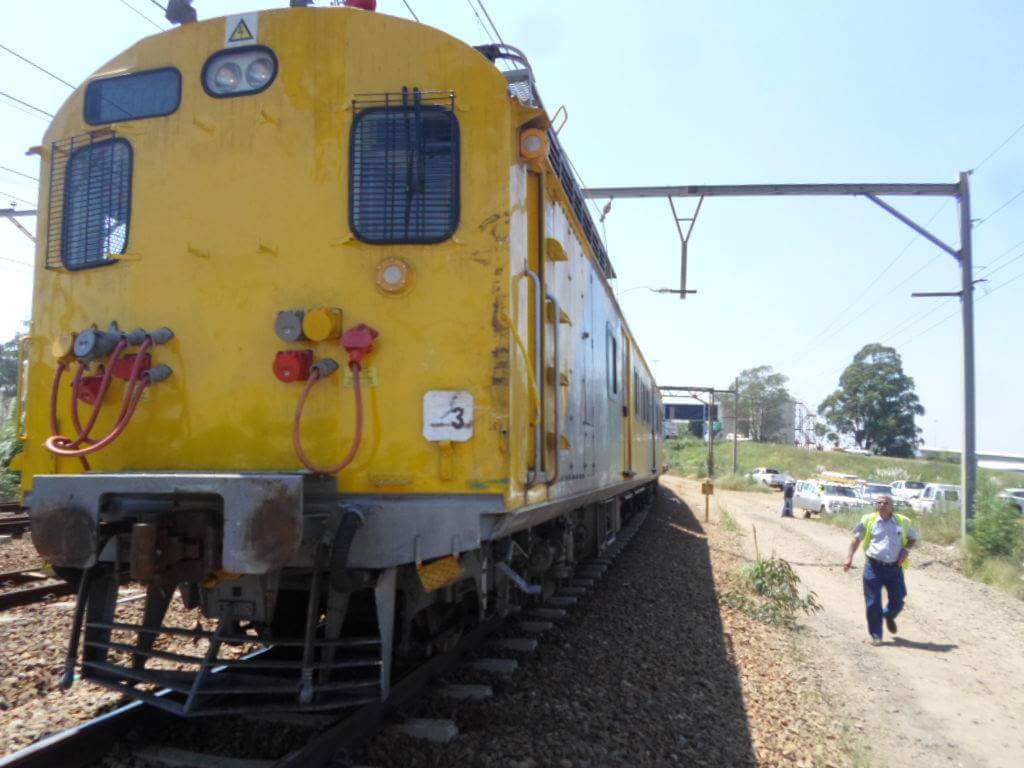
(708, 489)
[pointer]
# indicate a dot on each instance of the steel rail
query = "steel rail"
(81, 745)
(14, 525)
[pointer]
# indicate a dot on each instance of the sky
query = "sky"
(727, 92)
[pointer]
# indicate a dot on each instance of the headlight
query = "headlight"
(259, 72)
(227, 77)
(239, 71)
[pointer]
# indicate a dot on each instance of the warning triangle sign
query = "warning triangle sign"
(241, 33)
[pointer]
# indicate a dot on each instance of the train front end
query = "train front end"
(268, 367)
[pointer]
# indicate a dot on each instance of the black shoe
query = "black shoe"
(890, 624)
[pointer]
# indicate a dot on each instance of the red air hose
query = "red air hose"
(356, 439)
(108, 375)
(137, 383)
(63, 446)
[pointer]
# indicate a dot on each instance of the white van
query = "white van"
(827, 498)
(907, 489)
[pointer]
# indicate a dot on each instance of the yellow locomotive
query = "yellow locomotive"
(323, 339)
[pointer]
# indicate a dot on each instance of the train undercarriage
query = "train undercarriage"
(302, 599)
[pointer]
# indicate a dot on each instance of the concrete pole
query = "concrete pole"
(735, 430)
(711, 436)
(969, 464)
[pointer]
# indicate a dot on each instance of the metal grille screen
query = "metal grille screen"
(405, 169)
(90, 201)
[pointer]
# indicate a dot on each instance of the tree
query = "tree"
(765, 406)
(876, 403)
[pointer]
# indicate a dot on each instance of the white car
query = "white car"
(774, 478)
(907, 489)
(936, 498)
(1015, 498)
(827, 498)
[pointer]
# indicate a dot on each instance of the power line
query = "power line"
(995, 151)
(490, 21)
(813, 341)
(139, 13)
(25, 103)
(15, 197)
(17, 173)
(33, 64)
(15, 261)
(1001, 207)
(162, 8)
(409, 8)
(480, 21)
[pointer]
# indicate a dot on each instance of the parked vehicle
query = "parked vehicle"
(774, 478)
(936, 498)
(1015, 497)
(907, 489)
(872, 492)
(826, 498)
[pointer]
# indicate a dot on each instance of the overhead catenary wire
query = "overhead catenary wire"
(479, 20)
(998, 149)
(25, 104)
(15, 197)
(18, 173)
(140, 14)
(411, 11)
(42, 69)
(490, 21)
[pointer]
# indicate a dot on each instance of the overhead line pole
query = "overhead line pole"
(963, 255)
(678, 391)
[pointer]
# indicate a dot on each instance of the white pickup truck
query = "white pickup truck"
(936, 498)
(773, 478)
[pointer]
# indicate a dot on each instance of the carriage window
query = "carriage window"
(404, 170)
(132, 97)
(97, 193)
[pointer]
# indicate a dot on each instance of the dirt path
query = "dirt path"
(947, 691)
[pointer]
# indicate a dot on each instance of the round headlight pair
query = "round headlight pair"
(228, 76)
(236, 73)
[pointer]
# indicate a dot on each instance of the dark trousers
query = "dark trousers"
(876, 576)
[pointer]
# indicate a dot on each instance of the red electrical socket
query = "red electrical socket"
(358, 342)
(123, 366)
(293, 365)
(89, 389)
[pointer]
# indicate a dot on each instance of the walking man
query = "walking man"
(887, 539)
(787, 498)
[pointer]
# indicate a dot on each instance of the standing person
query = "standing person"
(887, 539)
(787, 498)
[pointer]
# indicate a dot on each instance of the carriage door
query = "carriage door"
(545, 350)
(627, 404)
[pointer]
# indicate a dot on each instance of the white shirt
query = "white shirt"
(886, 538)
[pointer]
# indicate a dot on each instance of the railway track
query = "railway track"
(14, 592)
(83, 745)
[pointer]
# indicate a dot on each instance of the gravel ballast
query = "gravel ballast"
(649, 670)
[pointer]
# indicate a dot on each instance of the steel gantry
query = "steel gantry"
(873, 192)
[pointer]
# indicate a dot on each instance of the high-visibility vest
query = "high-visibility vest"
(869, 520)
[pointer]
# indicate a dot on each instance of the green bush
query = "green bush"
(997, 532)
(10, 446)
(769, 591)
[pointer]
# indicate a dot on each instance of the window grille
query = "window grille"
(404, 168)
(89, 201)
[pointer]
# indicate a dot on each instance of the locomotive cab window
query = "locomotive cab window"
(134, 96)
(93, 209)
(404, 170)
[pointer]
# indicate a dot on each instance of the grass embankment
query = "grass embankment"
(994, 552)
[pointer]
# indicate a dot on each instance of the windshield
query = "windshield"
(773, 471)
(914, 484)
(877, 488)
(840, 490)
